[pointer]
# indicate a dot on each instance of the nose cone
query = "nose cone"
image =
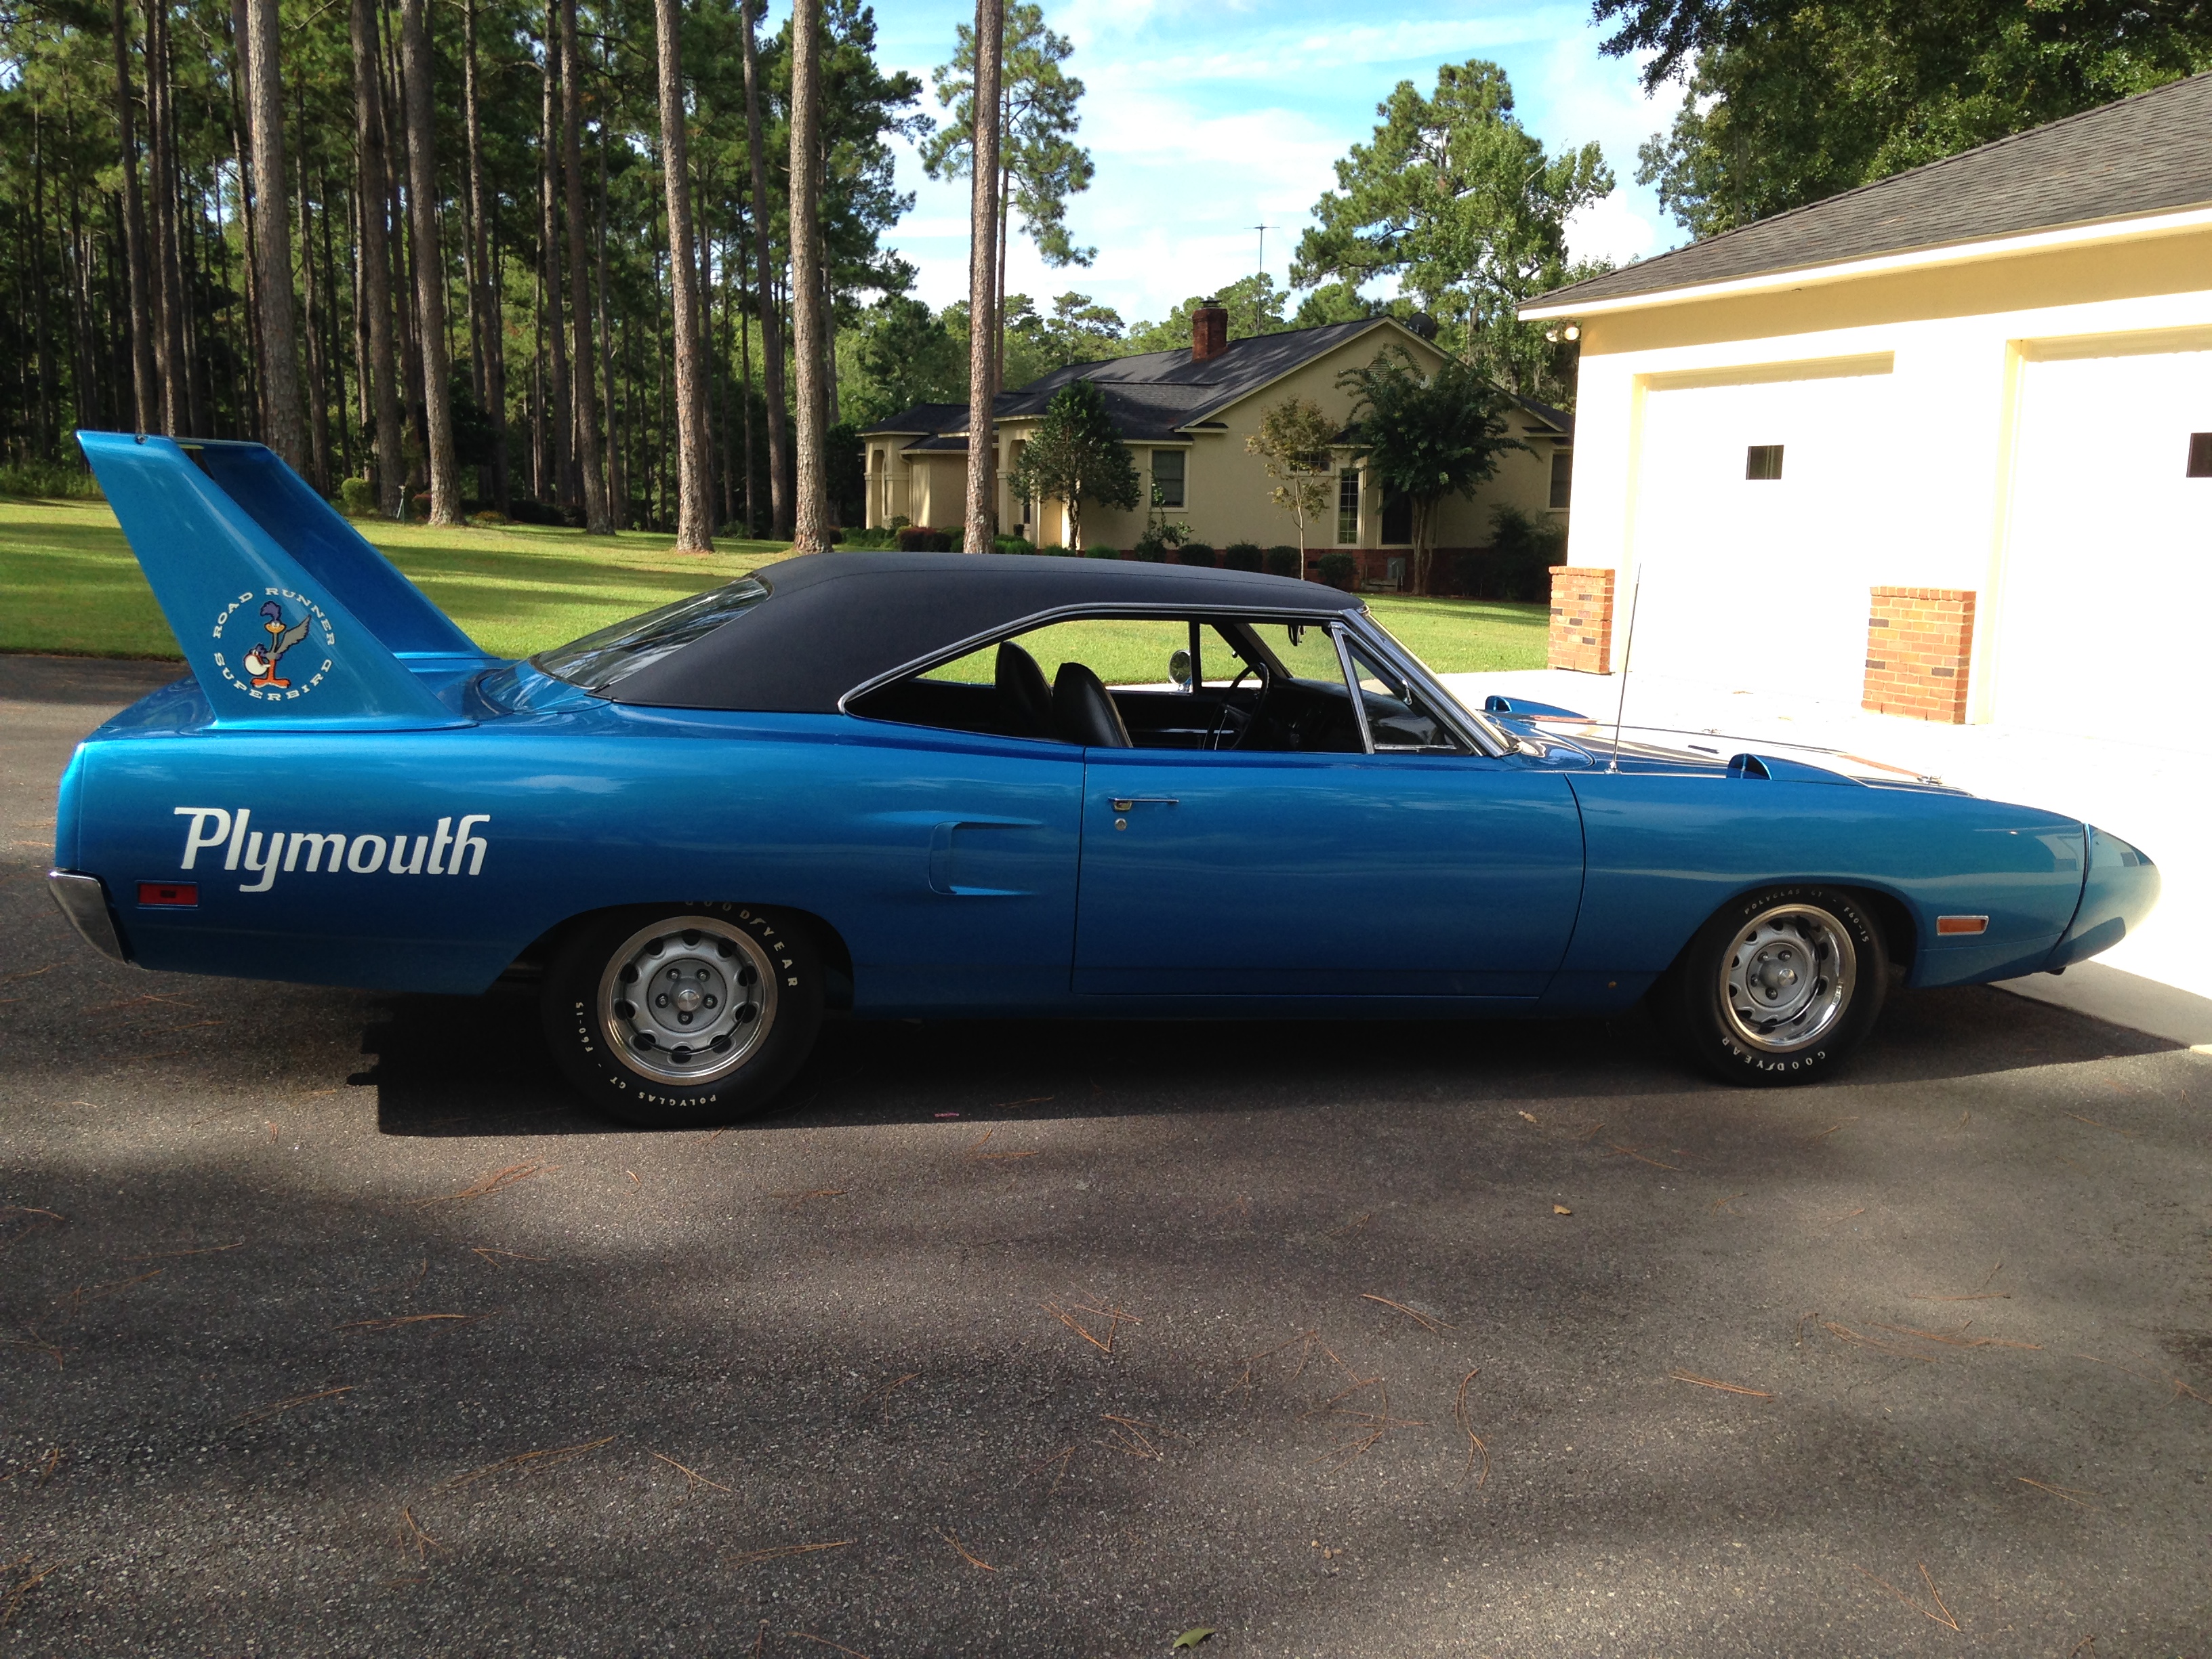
(2118, 890)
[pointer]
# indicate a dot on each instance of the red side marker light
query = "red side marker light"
(1962, 924)
(168, 895)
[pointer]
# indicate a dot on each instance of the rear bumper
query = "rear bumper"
(2119, 888)
(83, 900)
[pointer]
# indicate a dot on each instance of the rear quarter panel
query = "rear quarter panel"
(577, 812)
(1668, 851)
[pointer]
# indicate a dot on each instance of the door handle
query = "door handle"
(1124, 803)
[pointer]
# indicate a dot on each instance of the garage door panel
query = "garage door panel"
(1757, 584)
(2107, 574)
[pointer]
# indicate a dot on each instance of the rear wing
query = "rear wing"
(286, 614)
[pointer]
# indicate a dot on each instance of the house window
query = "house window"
(1397, 519)
(1763, 461)
(1347, 507)
(2200, 455)
(1563, 478)
(1167, 477)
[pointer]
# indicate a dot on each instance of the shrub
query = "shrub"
(1242, 556)
(489, 520)
(1195, 553)
(1051, 550)
(1099, 553)
(1285, 561)
(523, 510)
(418, 509)
(871, 541)
(1016, 544)
(1337, 570)
(921, 538)
(1523, 551)
(356, 498)
(49, 481)
(1159, 538)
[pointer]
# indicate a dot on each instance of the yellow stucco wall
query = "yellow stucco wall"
(1227, 491)
(1955, 334)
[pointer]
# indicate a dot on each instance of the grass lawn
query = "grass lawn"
(69, 585)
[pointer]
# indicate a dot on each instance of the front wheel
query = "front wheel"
(1779, 988)
(675, 1017)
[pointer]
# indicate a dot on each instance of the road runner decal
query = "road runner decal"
(270, 678)
(262, 854)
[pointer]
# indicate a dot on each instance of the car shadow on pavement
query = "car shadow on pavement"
(463, 1067)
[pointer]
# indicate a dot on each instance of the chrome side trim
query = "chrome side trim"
(84, 902)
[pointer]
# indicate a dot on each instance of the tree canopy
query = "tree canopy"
(1785, 104)
(1459, 201)
(1075, 457)
(1426, 436)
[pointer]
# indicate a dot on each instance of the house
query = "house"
(1939, 446)
(1185, 415)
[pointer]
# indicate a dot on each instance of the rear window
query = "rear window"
(599, 660)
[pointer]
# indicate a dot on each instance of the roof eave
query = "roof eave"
(1561, 304)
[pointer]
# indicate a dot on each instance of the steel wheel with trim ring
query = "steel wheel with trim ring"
(672, 1016)
(1779, 988)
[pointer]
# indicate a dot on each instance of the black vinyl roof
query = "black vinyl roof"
(833, 622)
(2144, 154)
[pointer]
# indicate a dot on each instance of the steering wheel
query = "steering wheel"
(1221, 715)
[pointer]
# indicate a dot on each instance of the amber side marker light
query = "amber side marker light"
(168, 895)
(1962, 924)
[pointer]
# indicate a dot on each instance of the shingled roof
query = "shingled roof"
(2149, 153)
(1155, 396)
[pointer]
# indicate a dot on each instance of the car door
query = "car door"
(1422, 870)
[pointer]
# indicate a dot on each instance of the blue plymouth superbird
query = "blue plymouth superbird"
(903, 785)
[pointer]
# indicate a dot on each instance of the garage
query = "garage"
(2108, 546)
(1753, 521)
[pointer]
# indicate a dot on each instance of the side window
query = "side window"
(1399, 718)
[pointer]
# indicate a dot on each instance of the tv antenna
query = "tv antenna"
(1263, 230)
(1627, 654)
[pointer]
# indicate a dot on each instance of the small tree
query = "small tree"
(1428, 438)
(1077, 457)
(1293, 439)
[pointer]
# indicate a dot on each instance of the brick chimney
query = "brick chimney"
(1209, 331)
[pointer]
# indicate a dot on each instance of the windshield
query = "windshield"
(598, 660)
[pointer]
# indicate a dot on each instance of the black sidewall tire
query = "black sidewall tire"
(1700, 1028)
(569, 1012)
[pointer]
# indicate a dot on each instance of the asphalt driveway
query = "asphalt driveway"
(330, 1325)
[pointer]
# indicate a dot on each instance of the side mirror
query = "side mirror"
(1179, 669)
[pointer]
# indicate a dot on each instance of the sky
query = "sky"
(1207, 118)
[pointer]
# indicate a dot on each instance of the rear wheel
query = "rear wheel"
(671, 1018)
(1779, 988)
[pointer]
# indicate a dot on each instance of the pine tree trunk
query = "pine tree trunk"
(558, 417)
(318, 407)
(810, 503)
(983, 281)
(617, 421)
(1004, 234)
(429, 265)
(169, 334)
(379, 370)
(595, 519)
(280, 346)
(694, 518)
(745, 392)
(487, 325)
(779, 471)
(145, 391)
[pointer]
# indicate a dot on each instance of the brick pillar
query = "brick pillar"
(1920, 641)
(1582, 619)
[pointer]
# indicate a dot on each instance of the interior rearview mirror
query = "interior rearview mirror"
(1179, 668)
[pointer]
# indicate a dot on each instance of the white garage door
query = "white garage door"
(2107, 595)
(1759, 584)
